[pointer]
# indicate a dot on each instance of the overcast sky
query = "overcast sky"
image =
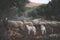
(40, 1)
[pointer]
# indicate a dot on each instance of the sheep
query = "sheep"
(16, 24)
(43, 29)
(31, 28)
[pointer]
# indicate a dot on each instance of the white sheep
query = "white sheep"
(43, 29)
(31, 28)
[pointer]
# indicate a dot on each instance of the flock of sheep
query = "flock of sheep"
(27, 27)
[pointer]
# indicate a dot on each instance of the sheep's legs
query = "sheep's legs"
(43, 32)
(29, 32)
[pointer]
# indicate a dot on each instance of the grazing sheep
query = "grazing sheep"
(16, 24)
(31, 28)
